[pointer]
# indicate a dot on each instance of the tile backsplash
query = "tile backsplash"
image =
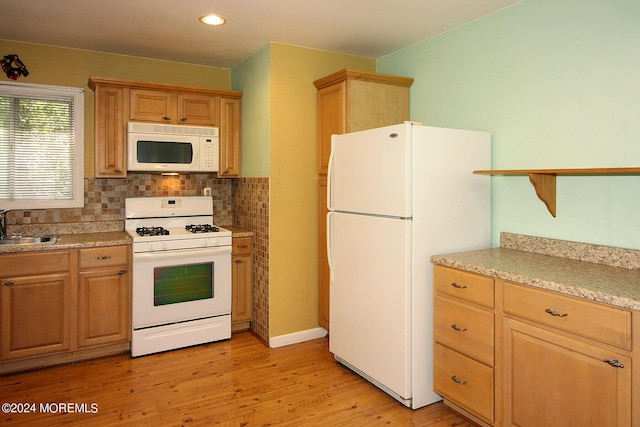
(104, 203)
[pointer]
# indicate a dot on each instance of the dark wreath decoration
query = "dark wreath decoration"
(13, 67)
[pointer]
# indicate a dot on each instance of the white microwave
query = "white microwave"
(169, 148)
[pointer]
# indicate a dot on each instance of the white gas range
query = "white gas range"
(181, 273)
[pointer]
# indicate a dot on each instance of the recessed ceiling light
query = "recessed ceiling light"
(212, 20)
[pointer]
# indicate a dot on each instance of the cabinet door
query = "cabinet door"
(230, 148)
(552, 380)
(241, 293)
(103, 306)
(464, 381)
(198, 109)
(323, 263)
(36, 315)
(152, 106)
(332, 119)
(109, 133)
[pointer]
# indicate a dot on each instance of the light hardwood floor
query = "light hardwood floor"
(239, 382)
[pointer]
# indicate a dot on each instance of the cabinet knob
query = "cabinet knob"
(122, 272)
(455, 285)
(183, 119)
(8, 283)
(166, 119)
(555, 313)
(613, 362)
(238, 261)
(117, 171)
(458, 380)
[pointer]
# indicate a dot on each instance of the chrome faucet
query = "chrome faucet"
(3, 223)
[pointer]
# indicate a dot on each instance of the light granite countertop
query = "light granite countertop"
(68, 241)
(94, 239)
(557, 266)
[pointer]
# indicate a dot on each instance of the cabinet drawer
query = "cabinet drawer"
(462, 380)
(602, 323)
(106, 256)
(468, 286)
(34, 263)
(241, 246)
(466, 329)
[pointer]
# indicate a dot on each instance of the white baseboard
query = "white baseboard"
(296, 337)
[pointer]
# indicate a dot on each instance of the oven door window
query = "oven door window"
(182, 283)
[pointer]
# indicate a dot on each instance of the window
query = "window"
(41, 146)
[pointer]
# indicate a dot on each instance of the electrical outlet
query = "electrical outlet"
(206, 192)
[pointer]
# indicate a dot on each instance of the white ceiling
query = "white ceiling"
(170, 30)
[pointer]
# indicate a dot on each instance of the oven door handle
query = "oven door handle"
(181, 253)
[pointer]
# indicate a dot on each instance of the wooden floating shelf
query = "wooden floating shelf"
(544, 180)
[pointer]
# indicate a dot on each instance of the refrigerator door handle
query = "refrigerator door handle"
(329, 232)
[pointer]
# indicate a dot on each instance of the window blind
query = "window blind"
(39, 146)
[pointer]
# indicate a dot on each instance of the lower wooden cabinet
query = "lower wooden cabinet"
(553, 380)
(36, 315)
(464, 381)
(104, 296)
(464, 333)
(241, 283)
(63, 305)
(515, 355)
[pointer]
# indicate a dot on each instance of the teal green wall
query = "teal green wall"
(253, 78)
(557, 82)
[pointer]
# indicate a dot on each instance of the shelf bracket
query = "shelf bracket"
(545, 186)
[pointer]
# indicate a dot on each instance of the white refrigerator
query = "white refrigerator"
(396, 196)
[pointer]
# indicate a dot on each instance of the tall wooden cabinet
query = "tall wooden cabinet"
(118, 101)
(349, 101)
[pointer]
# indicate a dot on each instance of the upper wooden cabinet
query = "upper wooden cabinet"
(110, 137)
(171, 107)
(119, 101)
(230, 139)
(351, 100)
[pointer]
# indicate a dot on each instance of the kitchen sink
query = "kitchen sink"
(27, 240)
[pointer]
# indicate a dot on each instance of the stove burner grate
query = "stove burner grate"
(202, 228)
(152, 231)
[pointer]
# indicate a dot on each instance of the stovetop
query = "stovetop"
(187, 222)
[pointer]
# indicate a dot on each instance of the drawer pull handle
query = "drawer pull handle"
(122, 272)
(455, 285)
(103, 257)
(555, 313)
(8, 283)
(238, 261)
(613, 362)
(458, 328)
(458, 380)
(243, 246)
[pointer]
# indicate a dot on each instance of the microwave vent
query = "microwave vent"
(134, 127)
